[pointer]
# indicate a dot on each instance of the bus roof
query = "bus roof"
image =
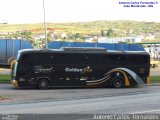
(80, 50)
(93, 49)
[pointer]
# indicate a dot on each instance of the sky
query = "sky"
(57, 11)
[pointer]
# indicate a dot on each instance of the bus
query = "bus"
(80, 67)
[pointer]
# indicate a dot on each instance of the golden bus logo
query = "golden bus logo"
(84, 70)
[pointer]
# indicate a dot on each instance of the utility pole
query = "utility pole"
(45, 25)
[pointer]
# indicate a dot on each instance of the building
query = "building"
(120, 40)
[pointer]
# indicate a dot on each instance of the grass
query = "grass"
(7, 78)
(155, 78)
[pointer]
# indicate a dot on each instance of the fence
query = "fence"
(108, 46)
(9, 48)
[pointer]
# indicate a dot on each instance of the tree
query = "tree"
(103, 33)
(26, 34)
(77, 35)
(110, 33)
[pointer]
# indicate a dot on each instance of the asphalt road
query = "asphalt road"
(131, 104)
(144, 99)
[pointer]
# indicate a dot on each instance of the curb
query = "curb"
(4, 82)
(154, 84)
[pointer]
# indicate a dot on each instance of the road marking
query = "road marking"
(149, 111)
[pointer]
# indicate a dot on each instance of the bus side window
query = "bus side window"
(42, 58)
(116, 59)
(25, 59)
(103, 59)
(138, 60)
(24, 65)
(61, 59)
(81, 59)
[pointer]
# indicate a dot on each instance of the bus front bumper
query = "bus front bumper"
(15, 83)
(148, 80)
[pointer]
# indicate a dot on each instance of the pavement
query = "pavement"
(5, 71)
(155, 71)
(10, 94)
(140, 100)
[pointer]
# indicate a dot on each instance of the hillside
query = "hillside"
(94, 27)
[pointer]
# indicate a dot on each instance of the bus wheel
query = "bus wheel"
(117, 82)
(43, 84)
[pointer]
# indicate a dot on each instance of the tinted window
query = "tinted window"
(61, 58)
(82, 59)
(37, 58)
(43, 58)
(135, 59)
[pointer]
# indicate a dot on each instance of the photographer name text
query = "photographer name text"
(141, 4)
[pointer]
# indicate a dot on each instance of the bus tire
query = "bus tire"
(117, 82)
(43, 84)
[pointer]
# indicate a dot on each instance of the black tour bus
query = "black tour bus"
(80, 67)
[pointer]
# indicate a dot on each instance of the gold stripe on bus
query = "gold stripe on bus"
(8, 62)
(93, 81)
(126, 81)
(97, 83)
(148, 80)
(12, 63)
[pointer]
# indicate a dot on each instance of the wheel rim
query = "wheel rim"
(43, 84)
(117, 83)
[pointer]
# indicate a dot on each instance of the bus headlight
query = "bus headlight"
(15, 83)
